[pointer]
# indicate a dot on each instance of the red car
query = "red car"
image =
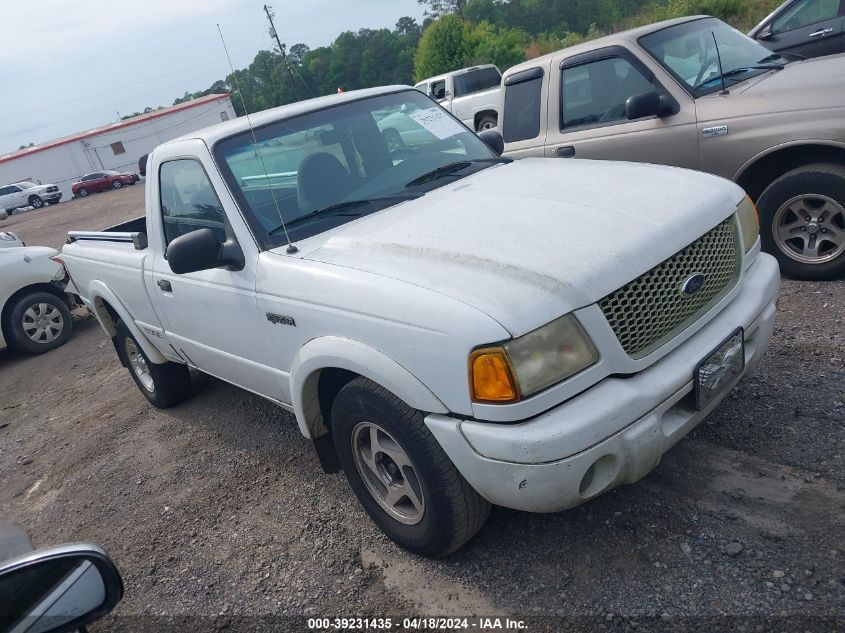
(102, 180)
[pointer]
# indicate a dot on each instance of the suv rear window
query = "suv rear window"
(476, 81)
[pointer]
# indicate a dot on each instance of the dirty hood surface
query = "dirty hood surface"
(530, 241)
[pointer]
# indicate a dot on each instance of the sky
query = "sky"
(68, 66)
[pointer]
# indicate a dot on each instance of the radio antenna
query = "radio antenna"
(291, 249)
(719, 58)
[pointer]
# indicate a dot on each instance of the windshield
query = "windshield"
(25, 184)
(689, 52)
(377, 151)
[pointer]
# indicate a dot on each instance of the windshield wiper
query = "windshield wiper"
(738, 71)
(348, 205)
(784, 56)
(450, 168)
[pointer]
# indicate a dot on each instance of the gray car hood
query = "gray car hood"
(530, 241)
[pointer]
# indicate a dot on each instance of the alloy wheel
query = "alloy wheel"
(810, 228)
(388, 473)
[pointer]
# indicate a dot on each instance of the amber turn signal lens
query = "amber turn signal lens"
(491, 377)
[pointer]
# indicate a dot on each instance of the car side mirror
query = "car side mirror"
(58, 589)
(765, 33)
(201, 250)
(494, 140)
(647, 104)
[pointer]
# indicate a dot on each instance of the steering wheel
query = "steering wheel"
(402, 153)
(706, 63)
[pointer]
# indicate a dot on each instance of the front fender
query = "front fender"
(343, 353)
(98, 295)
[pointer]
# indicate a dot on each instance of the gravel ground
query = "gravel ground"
(218, 508)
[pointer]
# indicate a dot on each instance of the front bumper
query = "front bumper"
(52, 197)
(549, 464)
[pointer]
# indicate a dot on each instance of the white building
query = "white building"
(115, 146)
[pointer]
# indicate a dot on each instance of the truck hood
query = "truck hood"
(533, 240)
(805, 85)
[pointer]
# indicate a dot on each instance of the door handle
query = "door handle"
(821, 32)
(565, 152)
(165, 285)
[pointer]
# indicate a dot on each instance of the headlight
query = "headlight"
(532, 362)
(749, 223)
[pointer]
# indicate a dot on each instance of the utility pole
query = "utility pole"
(275, 34)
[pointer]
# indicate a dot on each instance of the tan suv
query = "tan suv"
(696, 93)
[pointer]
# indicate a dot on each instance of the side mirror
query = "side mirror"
(58, 589)
(494, 140)
(649, 103)
(201, 250)
(765, 33)
(142, 165)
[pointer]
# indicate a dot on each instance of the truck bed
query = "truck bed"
(133, 231)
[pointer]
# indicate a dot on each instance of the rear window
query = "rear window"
(476, 81)
(521, 119)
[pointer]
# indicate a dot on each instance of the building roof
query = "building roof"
(111, 127)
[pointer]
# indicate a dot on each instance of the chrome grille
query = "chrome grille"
(648, 311)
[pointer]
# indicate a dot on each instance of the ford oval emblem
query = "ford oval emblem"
(693, 285)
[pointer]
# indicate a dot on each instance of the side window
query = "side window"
(438, 89)
(596, 92)
(423, 88)
(804, 13)
(188, 201)
(521, 120)
(4, 191)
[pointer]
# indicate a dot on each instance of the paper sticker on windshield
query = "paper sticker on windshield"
(437, 122)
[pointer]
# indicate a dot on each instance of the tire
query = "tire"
(487, 122)
(82, 192)
(35, 202)
(447, 513)
(802, 222)
(38, 322)
(116, 184)
(163, 385)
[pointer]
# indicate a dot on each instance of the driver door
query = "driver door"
(210, 317)
(591, 122)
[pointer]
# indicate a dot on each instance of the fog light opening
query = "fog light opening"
(599, 476)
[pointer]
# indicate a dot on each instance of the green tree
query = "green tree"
(445, 45)
(437, 8)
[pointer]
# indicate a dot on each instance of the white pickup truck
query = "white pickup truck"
(451, 328)
(471, 94)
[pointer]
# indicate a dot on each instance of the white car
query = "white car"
(36, 296)
(10, 240)
(453, 329)
(28, 194)
(471, 94)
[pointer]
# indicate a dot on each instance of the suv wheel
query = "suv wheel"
(400, 474)
(802, 218)
(38, 323)
(164, 385)
(36, 202)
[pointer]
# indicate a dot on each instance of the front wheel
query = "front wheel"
(400, 474)
(38, 323)
(83, 192)
(116, 184)
(802, 220)
(164, 385)
(36, 202)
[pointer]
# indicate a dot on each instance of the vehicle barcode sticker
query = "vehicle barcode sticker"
(437, 122)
